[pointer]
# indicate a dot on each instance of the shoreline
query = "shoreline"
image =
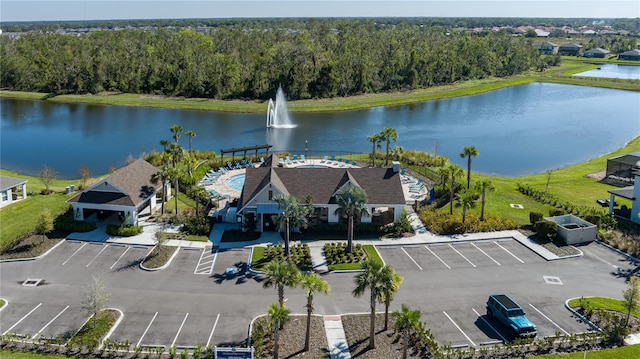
(560, 75)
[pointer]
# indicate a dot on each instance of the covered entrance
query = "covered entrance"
(266, 212)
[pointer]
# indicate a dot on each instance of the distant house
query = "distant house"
(11, 190)
(630, 55)
(597, 52)
(383, 186)
(125, 193)
(541, 33)
(631, 193)
(570, 49)
(547, 48)
(620, 169)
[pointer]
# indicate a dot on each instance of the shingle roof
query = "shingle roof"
(7, 182)
(570, 45)
(634, 52)
(597, 50)
(133, 184)
(382, 185)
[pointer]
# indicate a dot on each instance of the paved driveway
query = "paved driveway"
(195, 301)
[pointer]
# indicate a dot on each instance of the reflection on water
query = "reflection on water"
(518, 130)
(613, 71)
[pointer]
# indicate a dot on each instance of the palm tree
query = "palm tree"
(278, 317)
(280, 274)
(467, 199)
(371, 277)
(397, 153)
(351, 202)
(312, 283)
(454, 172)
(484, 186)
(190, 135)
(164, 144)
(162, 176)
(375, 141)
(292, 215)
(388, 134)
(388, 289)
(468, 152)
(444, 175)
(176, 130)
(174, 175)
(407, 321)
(175, 152)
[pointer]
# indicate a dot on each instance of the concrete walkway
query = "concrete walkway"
(318, 260)
(338, 347)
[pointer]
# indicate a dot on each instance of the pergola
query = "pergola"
(244, 151)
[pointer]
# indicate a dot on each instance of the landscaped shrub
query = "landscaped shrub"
(399, 227)
(126, 230)
(535, 217)
(298, 254)
(336, 253)
(556, 212)
(443, 223)
(198, 226)
(65, 222)
(594, 219)
(546, 229)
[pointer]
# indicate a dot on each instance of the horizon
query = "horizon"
(12, 11)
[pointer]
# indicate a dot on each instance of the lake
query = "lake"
(518, 130)
(613, 71)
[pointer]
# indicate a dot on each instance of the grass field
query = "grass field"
(603, 303)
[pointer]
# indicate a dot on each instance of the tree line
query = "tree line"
(318, 59)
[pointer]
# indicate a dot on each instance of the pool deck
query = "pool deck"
(220, 185)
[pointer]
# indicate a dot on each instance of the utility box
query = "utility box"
(574, 230)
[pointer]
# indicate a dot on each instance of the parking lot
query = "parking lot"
(207, 297)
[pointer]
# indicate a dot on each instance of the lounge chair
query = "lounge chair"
(354, 163)
(324, 159)
(302, 159)
(333, 159)
(288, 160)
(295, 158)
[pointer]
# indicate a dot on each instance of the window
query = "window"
(270, 195)
(5, 196)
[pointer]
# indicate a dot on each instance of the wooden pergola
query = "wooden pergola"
(244, 151)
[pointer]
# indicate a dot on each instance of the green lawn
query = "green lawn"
(2, 303)
(630, 352)
(603, 303)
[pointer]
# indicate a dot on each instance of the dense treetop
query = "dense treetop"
(250, 59)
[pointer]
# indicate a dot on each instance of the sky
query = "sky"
(56, 10)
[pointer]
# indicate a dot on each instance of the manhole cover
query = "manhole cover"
(31, 282)
(552, 280)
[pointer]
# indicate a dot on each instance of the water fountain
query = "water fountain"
(277, 114)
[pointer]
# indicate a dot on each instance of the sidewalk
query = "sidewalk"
(337, 339)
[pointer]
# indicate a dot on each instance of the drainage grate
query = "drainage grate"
(552, 280)
(31, 282)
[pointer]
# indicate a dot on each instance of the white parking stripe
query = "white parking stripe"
(21, 319)
(462, 255)
(146, 330)
(51, 321)
(435, 255)
(74, 253)
(212, 330)
(485, 253)
(414, 262)
(205, 263)
(549, 319)
(463, 333)
(102, 250)
(119, 258)
(490, 326)
(506, 250)
(179, 329)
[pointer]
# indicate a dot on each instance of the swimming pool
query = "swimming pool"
(236, 182)
(312, 166)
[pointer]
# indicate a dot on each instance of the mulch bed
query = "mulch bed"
(555, 247)
(291, 339)
(34, 245)
(356, 328)
(158, 257)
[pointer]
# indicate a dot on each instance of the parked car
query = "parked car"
(511, 315)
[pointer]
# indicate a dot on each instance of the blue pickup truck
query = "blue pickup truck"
(509, 313)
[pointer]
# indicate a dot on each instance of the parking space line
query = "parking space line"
(463, 333)
(21, 319)
(74, 253)
(435, 255)
(485, 253)
(413, 260)
(490, 326)
(119, 258)
(212, 330)
(205, 263)
(96, 256)
(179, 330)
(51, 321)
(146, 330)
(506, 250)
(549, 319)
(462, 255)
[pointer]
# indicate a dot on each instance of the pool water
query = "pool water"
(312, 166)
(236, 182)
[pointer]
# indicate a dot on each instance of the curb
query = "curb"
(580, 316)
(33, 258)
(175, 252)
(630, 257)
(113, 327)
(6, 303)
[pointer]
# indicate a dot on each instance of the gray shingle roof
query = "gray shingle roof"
(7, 182)
(382, 185)
(133, 181)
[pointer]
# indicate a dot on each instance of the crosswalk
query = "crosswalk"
(206, 262)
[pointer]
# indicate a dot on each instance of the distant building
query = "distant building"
(570, 49)
(541, 33)
(548, 48)
(597, 52)
(630, 55)
(11, 190)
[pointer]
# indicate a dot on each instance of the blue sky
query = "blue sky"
(46, 10)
